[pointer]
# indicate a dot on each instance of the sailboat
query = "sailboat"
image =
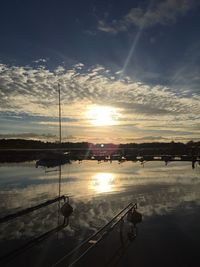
(55, 158)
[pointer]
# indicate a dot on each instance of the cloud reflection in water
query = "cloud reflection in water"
(157, 189)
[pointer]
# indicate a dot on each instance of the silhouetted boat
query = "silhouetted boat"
(53, 159)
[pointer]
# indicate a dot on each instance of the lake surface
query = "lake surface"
(167, 196)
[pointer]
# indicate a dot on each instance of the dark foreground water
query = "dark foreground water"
(167, 196)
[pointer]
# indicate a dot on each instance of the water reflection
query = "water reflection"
(22, 185)
(103, 182)
(158, 189)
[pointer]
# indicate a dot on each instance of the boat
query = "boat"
(53, 159)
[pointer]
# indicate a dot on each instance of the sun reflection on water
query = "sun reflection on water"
(103, 182)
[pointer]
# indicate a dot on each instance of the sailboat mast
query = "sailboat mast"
(59, 110)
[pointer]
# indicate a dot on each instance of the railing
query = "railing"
(35, 240)
(92, 241)
(12, 216)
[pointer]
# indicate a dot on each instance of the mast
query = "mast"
(59, 177)
(59, 111)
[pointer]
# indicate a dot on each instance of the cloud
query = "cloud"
(113, 28)
(185, 74)
(28, 117)
(40, 60)
(159, 12)
(28, 136)
(31, 95)
(152, 138)
(90, 32)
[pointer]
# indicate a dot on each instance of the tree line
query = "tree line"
(27, 150)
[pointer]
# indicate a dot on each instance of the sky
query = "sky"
(128, 70)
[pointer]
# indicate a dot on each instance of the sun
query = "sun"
(101, 115)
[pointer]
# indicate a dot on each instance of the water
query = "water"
(167, 196)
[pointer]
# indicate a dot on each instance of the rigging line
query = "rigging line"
(59, 192)
(59, 112)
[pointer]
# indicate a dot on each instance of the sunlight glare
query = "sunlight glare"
(101, 115)
(103, 182)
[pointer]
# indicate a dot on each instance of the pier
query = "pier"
(144, 158)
